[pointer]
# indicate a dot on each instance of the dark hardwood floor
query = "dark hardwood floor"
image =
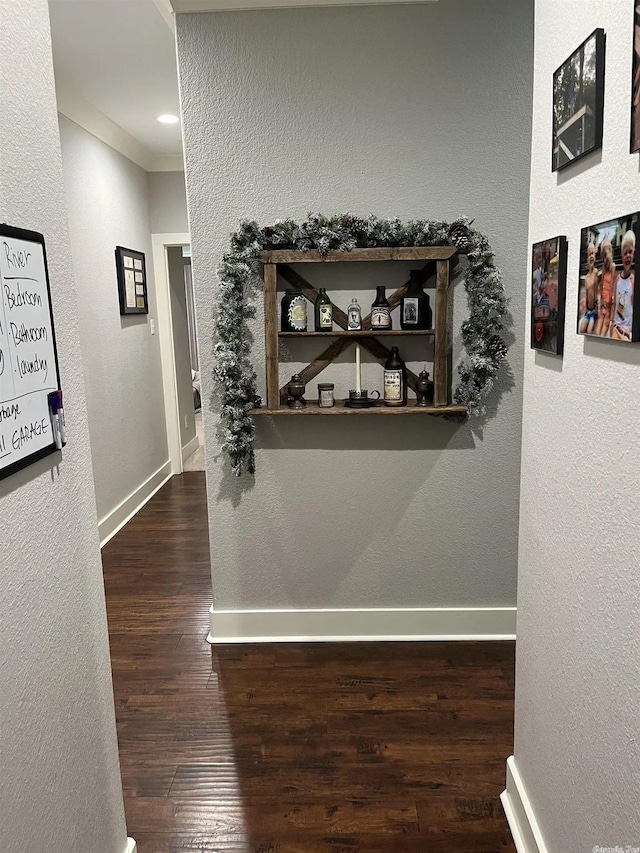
(292, 748)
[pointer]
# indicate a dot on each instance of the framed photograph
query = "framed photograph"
(607, 300)
(635, 81)
(132, 281)
(410, 310)
(548, 296)
(578, 103)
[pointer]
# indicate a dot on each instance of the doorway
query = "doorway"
(179, 351)
(181, 285)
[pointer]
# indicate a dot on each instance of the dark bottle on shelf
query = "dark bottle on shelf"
(381, 311)
(293, 313)
(395, 380)
(415, 310)
(323, 312)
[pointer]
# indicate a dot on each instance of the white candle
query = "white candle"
(358, 374)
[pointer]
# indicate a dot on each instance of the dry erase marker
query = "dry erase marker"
(55, 422)
(61, 421)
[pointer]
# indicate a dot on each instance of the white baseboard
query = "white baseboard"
(517, 807)
(394, 623)
(131, 846)
(124, 512)
(190, 447)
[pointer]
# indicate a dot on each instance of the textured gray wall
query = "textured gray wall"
(60, 784)
(415, 111)
(167, 203)
(108, 202)
(577, 688)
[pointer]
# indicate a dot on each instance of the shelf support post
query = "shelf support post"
(271, 335)
(440, 365)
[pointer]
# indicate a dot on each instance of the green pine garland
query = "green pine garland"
(238, 274)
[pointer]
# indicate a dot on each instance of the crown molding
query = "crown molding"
(166, 10)
(181, 6)
(74, 107)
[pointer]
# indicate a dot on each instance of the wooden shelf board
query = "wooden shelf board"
(400, 253)
(365, 333)
(312, 408)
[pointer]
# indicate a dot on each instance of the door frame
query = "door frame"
(160, 243)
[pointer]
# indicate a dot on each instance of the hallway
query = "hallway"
(291, 747)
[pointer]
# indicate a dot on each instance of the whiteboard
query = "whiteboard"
(28, 359)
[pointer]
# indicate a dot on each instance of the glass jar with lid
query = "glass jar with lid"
(325, 395)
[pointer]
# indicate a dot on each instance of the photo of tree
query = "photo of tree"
(578, 102)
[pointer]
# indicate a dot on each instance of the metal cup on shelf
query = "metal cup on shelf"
(361, 399)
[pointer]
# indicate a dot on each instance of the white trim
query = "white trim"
(190, 448)
(131, 846)
(159, 243)
(229, 5)
(74, 107)
(392, 623)
(166, 10)
(517, 807)
(124, 512)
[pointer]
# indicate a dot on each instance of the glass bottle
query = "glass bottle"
(415, 310)
(293, 313)
(381, 311)
(395, 380)
(323, 312)
(354, 316)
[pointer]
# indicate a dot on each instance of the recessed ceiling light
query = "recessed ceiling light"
(167, 118)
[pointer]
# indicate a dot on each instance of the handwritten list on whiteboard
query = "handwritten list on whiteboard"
(28, 365)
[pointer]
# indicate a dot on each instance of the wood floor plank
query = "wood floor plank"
(351, 782)
(291, 748)
(308, 842)
(227, 815)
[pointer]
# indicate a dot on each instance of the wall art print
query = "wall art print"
(578, 102)
(131, 270)
(549, 281)
(607, 299)
(635, 81)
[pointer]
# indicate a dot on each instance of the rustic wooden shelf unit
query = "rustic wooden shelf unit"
(364, 333)
(312, 408)
(438, 259)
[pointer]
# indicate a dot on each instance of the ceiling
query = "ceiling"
(115, 68)
(118, 57)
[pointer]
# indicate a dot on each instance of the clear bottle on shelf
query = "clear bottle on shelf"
(354, 316)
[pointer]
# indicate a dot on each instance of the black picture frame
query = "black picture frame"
(623, 324)
(131, 270)
(634, 136)
(34, 237)
(548, 295)
(578, 103)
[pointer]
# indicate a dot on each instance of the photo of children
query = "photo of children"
(548, 283)
(606, 295)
